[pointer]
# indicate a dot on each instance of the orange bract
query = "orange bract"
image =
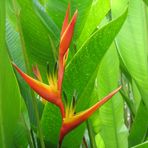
(71, 122)
(67, 35)
(47, 92)
(53, 91)
(65, 40)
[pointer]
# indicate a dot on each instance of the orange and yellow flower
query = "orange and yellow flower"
(73, 120)
(53, 92)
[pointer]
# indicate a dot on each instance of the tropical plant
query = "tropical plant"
(55, 74)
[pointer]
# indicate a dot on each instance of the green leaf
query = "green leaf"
(47, 21)
(132, 46)
(51, 123)
(9, 92)
(132, 43)
(99, 9)
(82, 70)
(32, 102)
(111, 115)
(57, 9)
(15, 51)
(139, 127)
(36, 37)
(20, 136)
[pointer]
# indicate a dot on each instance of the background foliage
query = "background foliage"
(109, 48)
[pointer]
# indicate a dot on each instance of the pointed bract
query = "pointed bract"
(53, 91)
(60, 75)
(66, 20)
(67, 35)
(72, 122)
(42, 89)
(38, 77)
(37, 73)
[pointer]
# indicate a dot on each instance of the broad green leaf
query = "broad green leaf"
(132, 44)
(78, 133)
(99, 9)
(111, 115)
(57, 8)
(35, 108)
(82, 70)
(47, 21)
(36, 37)
(15, 51)
(118, 6)
(9, 92)
(139, 127)
(20, 135)
(51, 123)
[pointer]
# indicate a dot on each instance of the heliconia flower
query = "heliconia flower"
(48, 92)
(65, 40)
(52, 92)
(73, 120)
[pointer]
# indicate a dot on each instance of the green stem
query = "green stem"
(28, 133)
(33, 138)
(84, 142)
(91, 134)
(17, 13)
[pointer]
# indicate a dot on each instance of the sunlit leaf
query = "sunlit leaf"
(97, 12)
(111, 115)
(81, 72)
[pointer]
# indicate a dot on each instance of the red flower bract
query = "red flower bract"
(53, 91)
(71, 122)
(66, 37)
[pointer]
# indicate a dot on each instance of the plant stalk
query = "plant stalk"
(28, 133)
(91, 135)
